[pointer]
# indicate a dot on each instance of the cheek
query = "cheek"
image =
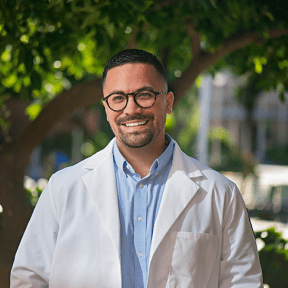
(109, 116)
(160, 119)
(106, 111)
(111, 119)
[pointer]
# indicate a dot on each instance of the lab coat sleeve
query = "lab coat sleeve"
(240, 265)
(33, 260)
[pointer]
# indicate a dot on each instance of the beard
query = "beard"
(136, 139)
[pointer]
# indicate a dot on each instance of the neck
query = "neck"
(141, 159)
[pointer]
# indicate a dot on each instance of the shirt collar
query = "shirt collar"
(119, 160)
(157, 165)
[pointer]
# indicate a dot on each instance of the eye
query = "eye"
(117, 98)
(145, 95)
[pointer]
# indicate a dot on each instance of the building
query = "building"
(269, 125)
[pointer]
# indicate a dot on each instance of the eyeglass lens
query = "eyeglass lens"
(144, 99)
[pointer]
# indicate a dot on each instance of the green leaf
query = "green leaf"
(4, 124)
(213, 3)
(100, 38)
(21, 56)
(36, 81)
(29, 61)
(170, 121)
(90, 20)
(24, 93)
(10, 80)
(33, 110)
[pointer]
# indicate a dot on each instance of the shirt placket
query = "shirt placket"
(139, 219)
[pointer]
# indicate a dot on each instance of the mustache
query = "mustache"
(137, 116)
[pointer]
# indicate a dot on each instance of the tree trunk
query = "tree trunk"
(14, 159)
(16, 208)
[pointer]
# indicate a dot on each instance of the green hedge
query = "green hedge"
(274, 258)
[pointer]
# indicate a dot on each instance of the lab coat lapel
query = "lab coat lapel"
(179, 191)
(101, 184)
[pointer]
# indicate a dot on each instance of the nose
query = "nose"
(131, 107)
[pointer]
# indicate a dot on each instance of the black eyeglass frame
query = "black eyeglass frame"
(134, 96)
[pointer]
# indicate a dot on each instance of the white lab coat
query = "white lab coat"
(202, 236)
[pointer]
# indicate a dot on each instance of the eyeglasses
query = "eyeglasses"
(144, 99)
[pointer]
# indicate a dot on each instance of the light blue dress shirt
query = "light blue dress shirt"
(139, 201)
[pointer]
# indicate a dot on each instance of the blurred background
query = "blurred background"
(227, 65)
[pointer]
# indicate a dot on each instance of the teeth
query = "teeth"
(135, 124)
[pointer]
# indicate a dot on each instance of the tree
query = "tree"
(53, 52)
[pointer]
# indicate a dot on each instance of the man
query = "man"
(139, 213)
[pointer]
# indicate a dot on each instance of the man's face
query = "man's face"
(134, 126)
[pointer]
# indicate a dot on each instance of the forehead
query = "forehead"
(132, 76)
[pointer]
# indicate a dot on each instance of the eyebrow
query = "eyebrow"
(138, 90)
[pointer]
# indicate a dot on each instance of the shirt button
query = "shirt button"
(141, 185)
(139, 218)
(139, 254)
(156, 173)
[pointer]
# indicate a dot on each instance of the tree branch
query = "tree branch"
(240, 40)
(205, 59)
(195, 38)
(66, 102)
(132, 42)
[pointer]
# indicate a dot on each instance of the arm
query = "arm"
(240, 266)
(32, 264)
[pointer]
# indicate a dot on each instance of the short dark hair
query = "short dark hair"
(134, 56)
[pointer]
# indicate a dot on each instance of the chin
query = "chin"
(137, 143)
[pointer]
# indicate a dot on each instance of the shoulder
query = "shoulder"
(201, 174)
(210, 173)
(218, 189)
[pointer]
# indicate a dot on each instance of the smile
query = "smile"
(136, 124)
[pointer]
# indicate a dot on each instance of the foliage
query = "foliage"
(231, 157)
(47, 46)
(277, 155)
(34, 189)
(267, 70)
(97, 141)
(33, 195)
(62, 142)
(95, 144)
(183, 123)
(41, 38)
(273, 257)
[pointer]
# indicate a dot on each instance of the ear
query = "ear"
(169, 101)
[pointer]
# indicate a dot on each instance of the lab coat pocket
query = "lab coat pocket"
(193, 259)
